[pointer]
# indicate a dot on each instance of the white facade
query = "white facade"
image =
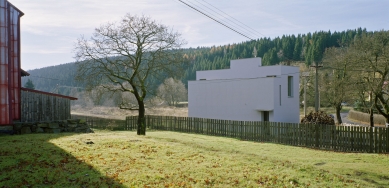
(246, 92)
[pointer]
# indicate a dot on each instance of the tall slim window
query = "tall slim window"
(280, 95)
(290, 86)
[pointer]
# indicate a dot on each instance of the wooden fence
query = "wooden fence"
(43, 106)
(326, 137)
(103, 123)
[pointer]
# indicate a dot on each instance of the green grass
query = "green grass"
(168, 159)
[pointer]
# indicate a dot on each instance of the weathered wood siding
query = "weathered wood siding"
(43, 107)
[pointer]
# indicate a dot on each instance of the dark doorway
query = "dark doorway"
(265, 115)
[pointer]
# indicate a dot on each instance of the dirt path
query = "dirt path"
(346, 120)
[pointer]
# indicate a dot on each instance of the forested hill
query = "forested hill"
(55, 79)
(288, 48)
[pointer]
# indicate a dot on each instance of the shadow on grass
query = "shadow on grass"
(32, 161)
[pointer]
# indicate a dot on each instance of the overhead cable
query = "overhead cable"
(222, 18)
(215, 20)
(242, 24)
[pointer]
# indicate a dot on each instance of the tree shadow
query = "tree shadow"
(33, 161)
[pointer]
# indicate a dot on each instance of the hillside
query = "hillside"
(57, 79)
(281, 50)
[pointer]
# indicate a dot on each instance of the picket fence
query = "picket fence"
(103, 123)
(326, 137)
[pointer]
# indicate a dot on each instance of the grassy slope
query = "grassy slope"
(163, 159)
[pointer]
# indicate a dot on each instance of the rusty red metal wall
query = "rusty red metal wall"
(10, 81)
(15, 61)
(4, 100)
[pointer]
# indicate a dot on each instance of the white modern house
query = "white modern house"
(247, 91)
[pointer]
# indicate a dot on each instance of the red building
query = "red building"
(10, 71)
(19, 104)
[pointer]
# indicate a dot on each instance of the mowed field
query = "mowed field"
(169, 159)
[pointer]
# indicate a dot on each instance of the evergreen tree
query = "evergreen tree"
(29, 84)
(297, 49)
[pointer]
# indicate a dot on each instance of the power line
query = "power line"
(241, 79)
(215, 20)
(235, 20)
(47, 78)
(351, 70)
(229, 27)
(202, 7)
(227, 20)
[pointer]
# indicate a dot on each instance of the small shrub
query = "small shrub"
(318, 118)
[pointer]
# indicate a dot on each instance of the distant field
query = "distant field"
(116, 113)
(168, 159)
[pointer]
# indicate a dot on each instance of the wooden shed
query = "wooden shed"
(43, 106)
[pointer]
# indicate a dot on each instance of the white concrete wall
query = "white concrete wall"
(288, 110)
(249, 63)
(236, 99)
(244, 91)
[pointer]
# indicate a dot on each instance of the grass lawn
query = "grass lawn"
(169, 159)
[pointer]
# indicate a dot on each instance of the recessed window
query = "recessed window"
(290, 86)
(280, 95)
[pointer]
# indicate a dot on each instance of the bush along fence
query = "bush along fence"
(326, 137)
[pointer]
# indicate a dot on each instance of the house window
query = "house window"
(290, 86)
(280, 95)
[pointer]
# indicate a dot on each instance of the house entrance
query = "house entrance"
(265, 115)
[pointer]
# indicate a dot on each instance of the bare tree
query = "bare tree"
(172, 91)
(364, 95)
(136, 51)
(372, 56)
(336, 78)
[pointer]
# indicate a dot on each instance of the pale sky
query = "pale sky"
(50, 28)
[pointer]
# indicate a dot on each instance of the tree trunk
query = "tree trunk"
(371, 117)
(338, 117)
(141, 119)
(371, 109)
(379, 97)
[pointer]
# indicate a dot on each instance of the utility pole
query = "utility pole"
(316, 86)
(305, 75)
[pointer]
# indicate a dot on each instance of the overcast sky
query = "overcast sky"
(50, 28)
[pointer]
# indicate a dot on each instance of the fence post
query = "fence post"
(241, 130)
(387, 139)
(316, 135)
(380, 137)
(376, 129)
(371, 139)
